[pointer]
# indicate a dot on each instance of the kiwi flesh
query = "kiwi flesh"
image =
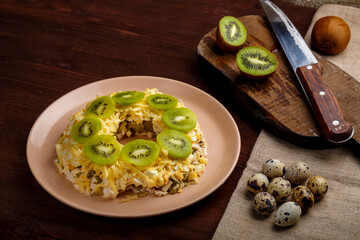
(128, 97)
(177, 143)
(102, 149)
(182, 119)
(230, 34)
(140, 152)
(84, 130)
(101, 107)
(161, 101)
(256, 62)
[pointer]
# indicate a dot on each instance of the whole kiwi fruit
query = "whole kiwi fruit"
(330, 35)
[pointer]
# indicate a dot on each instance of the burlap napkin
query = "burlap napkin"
(349, 59)
(337, 216)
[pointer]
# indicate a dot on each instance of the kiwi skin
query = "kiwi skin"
(330, 35)
(258, 77)
(223, 45)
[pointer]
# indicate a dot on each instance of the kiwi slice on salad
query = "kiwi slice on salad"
(256, 62)
(161, 101)
(102, 149)
(101, 107)
(182, 119)
(128, 97)
(230, 34)
(140, 152)
(177, 143)
(84, 130)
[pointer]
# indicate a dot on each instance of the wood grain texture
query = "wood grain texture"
(324, 104)
(49, 48)
(278, 101)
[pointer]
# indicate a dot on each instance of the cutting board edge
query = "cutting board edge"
(266, 121)
(299, 139)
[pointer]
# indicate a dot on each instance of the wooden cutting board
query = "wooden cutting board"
(278, 102)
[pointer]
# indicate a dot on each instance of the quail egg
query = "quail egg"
(318, 186)
(257, 183)
(264, 203)
(298, 173)
(273, 168)
(287, 214)
(303, 196)
(279, 188)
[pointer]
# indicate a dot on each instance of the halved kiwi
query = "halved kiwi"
(177, 143)
(140, 152)
(101, 107)
(256, 62)
(230, 34)
(161, 101)
(128, 97)
(84, 130)
(102, 149)
(182, 119)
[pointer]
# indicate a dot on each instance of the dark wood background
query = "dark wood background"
(48, 48)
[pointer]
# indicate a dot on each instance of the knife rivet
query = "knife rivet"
(322, 93)
(309, 67)
(335, 123)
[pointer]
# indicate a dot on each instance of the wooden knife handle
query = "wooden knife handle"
(324, 104)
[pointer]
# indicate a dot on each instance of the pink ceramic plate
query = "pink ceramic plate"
(219, 128)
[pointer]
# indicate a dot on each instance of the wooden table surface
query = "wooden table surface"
(49, 48)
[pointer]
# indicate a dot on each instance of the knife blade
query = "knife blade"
(308, 72)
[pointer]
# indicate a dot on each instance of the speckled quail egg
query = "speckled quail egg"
(298, 173)
(287, 214)
(279, 188)
(257, 183)
(318, 186)
(273, 168)
(303, 196)
(264, 203)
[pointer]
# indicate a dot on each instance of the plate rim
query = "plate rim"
(117, 215)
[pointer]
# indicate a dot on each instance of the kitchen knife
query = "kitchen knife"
(308, 71)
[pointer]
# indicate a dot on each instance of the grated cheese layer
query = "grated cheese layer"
(166, 175)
